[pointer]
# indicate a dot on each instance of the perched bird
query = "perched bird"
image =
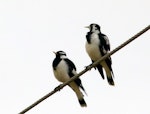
(98, 45)
(64, 69)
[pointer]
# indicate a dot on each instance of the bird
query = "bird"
(97, 45)
(64, 69)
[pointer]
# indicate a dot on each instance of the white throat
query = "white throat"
(63, 57)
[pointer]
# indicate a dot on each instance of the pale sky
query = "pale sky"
(30, 30)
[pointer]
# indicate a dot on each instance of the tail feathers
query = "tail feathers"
(82, 102)
(110, 80)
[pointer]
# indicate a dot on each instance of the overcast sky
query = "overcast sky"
(30, 30)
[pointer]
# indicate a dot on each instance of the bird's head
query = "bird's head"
(93, 27)
(60, 54)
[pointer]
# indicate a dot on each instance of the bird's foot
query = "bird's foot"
(88, 67)
(58, 88)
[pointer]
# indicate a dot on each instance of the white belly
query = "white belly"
(93, 49)
(61, 73)
(94, 54)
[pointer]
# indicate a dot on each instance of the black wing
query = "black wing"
(104, 44)
(99, 67)
(71, 66)
(71, 74)
(88, 37)
(105, 48)
(55, 63)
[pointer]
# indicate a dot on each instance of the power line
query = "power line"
(85, 70)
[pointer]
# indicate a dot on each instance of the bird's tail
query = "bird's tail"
(81, 99)
(110, 76)
(109, 72)
(82, 102)
(110, 80)
(79, 94)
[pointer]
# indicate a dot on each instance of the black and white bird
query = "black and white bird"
(64, 69)
(98, 45)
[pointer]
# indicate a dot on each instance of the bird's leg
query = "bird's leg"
(58, 88)
(86, 67)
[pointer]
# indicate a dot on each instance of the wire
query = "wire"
(58, 88)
